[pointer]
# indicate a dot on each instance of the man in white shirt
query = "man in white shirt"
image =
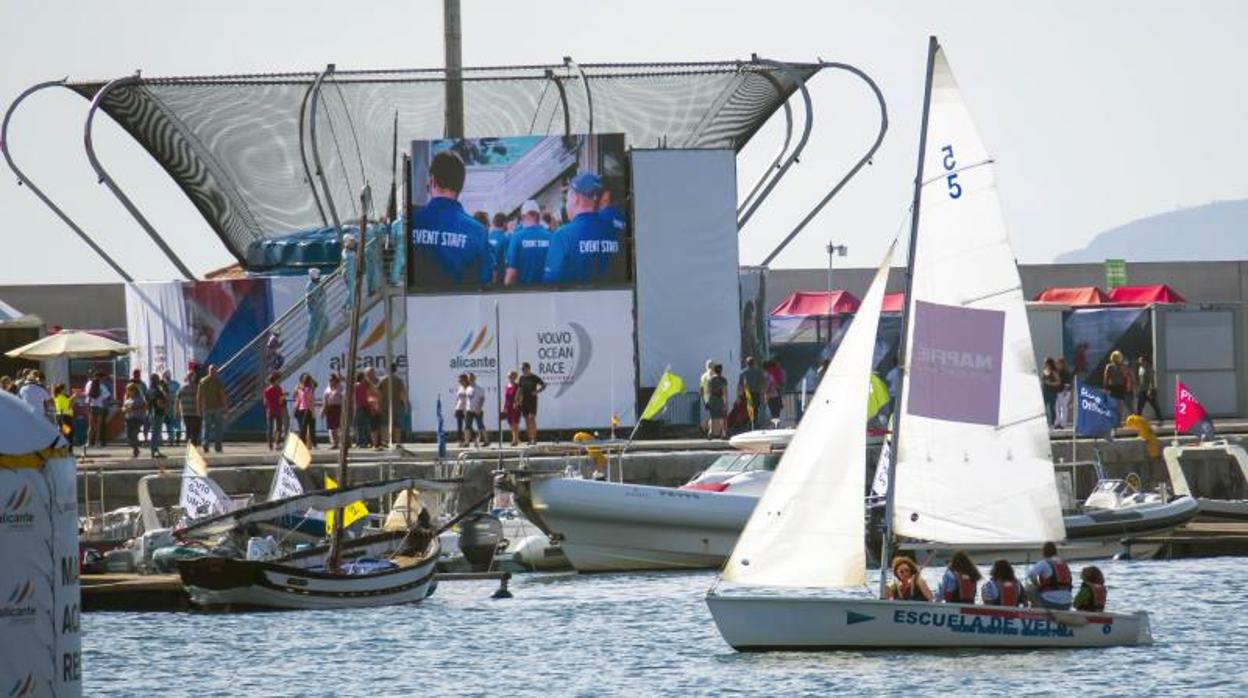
(40, 400)
(1049, 581)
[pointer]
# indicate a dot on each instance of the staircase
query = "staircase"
(246, 373)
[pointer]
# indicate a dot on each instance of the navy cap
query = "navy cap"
(586, 184)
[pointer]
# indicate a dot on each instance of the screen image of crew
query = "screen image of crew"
(449, 247)
(571, 232)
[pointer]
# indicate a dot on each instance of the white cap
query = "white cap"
(530, 206)
(314, 274)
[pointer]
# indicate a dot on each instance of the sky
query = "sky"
(1096, 113)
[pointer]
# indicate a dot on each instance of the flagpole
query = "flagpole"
(1074, 424)
(637, 424)
(1174, 433)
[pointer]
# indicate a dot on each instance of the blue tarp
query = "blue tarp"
(318, 247)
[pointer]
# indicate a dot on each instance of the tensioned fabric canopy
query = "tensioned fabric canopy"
(1074, 295)
(1143, 295)
(804, 303)
(237, 145)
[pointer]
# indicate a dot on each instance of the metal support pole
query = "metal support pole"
(453, 42)
(797, 151)
(563, 100)
(303, 153)
(112, 185)
(23, 179)
(886, 542)
(316, 153)
(865, 159)
(589, 95)
(788, 138)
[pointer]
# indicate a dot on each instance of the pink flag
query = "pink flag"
(1188, 412)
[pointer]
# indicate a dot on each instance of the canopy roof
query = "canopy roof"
(804, 303)
(1143, 295)
(1074, 295)
(237, 145)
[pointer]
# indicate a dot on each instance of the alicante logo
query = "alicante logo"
(19, 606)
(472, 353)
(13, 514)
(370, 336)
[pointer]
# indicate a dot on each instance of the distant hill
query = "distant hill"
(1213, 232)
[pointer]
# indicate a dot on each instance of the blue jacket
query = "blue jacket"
(527, 253)
(582, 251)
(449, 248)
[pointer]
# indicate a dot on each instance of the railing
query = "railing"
(302, 331)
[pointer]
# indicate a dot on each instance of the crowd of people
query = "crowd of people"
(454, 249)
(519, 401)
(759, 401)
(380, 404)
(1132, 387)
(1048, 584)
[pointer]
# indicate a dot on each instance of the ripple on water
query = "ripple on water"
(645, 634)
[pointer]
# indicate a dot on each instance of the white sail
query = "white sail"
(974, 463)
(807, 529)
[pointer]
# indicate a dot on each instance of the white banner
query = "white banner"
(332, 358)
(579, 343)
(285, 479)
(156, 325)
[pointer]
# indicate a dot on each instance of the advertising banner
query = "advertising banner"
(580, 344)
(158, 327)
(1089, 336)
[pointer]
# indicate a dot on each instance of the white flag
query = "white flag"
(879, 485)
(200, 495)
(285, 480)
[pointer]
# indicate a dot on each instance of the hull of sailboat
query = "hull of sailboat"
(612, 527)
(769, 623)
(230, 583)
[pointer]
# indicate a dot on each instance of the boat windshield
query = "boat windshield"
(744, 462)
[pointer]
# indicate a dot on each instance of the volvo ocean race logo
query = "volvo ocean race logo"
(19, 605)
(15, 514)
(473, 354)
(563, 355)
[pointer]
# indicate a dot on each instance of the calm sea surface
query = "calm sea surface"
(647, 634)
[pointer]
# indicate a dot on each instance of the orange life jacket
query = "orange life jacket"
(1007, 593)
(1059, 578)
(1097, 603)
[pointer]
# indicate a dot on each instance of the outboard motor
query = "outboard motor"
(479, 536)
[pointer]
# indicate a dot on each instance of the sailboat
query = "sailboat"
(973, 463)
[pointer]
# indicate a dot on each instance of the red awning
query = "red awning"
(1076, 295)
(894, 303)
(1143, 295)
(802, 303)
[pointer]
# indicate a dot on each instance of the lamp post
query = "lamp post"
(833, 250)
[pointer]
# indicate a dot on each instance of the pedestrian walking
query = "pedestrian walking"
(173, 427)
(315, 303)
(134, 409)
(363, 418)
(305, 409)
(704, 384)
(98, 396)
(157, 407)
(274, 399)
(394, 404)
(462, 398)
(511, 406)
(476, 411)
(1050, 387)
(188, 408)
(331, 408)
(753, 385)
(531, 385)
(1146, 387)
(717, 403)
(212, 404)
(34, 393)
(774, 378)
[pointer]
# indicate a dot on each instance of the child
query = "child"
(1091, 596)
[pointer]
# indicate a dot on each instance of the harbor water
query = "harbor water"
(647, 634)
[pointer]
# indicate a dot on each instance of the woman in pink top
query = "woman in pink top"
(305, 409)
(511, 407)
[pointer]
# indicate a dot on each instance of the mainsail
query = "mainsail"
(807, 529)
(974, 463)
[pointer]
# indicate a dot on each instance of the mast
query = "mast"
(886, 544)
(348, 399)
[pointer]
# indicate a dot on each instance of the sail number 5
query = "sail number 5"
(955, 189)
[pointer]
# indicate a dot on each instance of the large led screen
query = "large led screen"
(519, 212)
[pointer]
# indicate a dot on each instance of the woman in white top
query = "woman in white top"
(462, 394)
(476, 411)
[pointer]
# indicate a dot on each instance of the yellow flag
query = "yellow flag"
(670, 384)
(351, 513)
(877, 396)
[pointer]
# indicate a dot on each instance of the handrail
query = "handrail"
(316, 151)
(23, 179)
(801, 143)
(112, 185)
(788, 138)
(865, 159)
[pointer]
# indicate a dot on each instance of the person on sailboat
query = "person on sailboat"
(1091, 596)
(1002, 587)
(1048, 581)
(961, 579)
(907, 584)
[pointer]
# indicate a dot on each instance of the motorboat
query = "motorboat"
(972, 459)
(762, 440)
(1221, 492)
